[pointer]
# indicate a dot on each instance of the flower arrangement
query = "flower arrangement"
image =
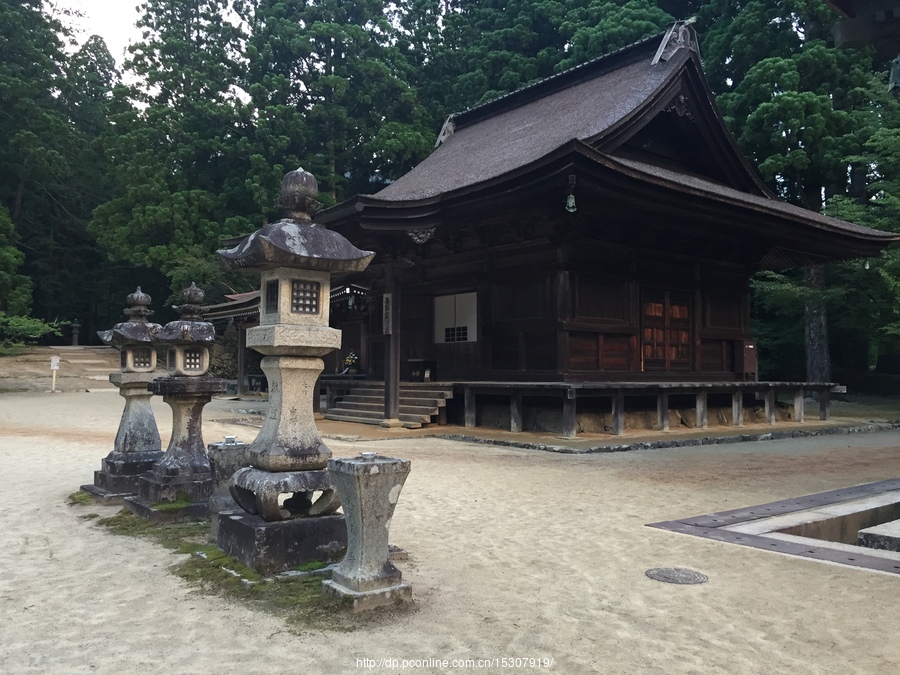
(351, 360)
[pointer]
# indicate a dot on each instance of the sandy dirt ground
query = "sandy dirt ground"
(513, 553)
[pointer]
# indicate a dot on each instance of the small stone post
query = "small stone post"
(183, 473)
(369, 487)
(137, 447)
(225, 458)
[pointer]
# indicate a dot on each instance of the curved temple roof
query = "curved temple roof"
(589, 113)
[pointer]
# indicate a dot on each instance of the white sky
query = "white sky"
(113, 20)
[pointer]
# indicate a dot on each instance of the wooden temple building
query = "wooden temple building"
(587, 238)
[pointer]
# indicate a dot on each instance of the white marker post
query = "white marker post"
(54, 366)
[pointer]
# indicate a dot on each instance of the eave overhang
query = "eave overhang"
(794, 237)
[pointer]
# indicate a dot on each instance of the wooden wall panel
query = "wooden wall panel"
(584, 351)
(415, 325)
(505, 352)
(540, 351)
(521, 299)
(724, 310)
(597, 298)
(617, 352)
(717, 356)
(458, 360)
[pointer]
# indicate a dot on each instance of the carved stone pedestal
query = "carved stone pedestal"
(282, 526)
(137, 447)
(288, 439)
(270, 547)
(369, 487)
(183, 474)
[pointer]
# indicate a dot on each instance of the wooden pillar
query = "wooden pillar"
(799, 407)
(737, 408)
(824, 404)
(618, 413)
(392, 351)
(662, 411)
(241, 354)
(563, 312)
(364, 347)
(570, 419)
(770, 406)
(515, 411)
(702, 410)
(469, 403)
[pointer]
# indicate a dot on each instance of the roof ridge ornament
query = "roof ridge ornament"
(679, 105)
(678, 36)
(446, 130)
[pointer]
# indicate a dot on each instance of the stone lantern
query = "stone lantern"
(137, 446)
(295, 258)
(183, 473)
(188, 338)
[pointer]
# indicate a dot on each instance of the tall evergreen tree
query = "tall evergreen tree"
(798, 107)
(473, 52)
(339, 65)
(52, 108)
(31, 124)
(174, 145)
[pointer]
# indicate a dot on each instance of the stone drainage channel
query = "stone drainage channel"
(856, 526)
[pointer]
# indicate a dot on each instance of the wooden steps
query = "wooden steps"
(419, 406)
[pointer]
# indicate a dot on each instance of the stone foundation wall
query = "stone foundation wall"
(549, 420)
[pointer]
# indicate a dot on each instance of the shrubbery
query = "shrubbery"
(17, 330)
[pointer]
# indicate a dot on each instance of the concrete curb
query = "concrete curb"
(678, 443)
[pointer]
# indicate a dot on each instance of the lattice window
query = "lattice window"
(271, 297)
(305, 297)
(123, 359)
(142, 357)
(193, 359)
(456, 318)
(456, 334)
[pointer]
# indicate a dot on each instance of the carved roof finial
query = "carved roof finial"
(192, 303)
(138, 306)
(299, 190)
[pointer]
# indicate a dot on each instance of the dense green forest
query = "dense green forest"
(113, 175)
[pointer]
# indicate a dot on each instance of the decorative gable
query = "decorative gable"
(682, 130)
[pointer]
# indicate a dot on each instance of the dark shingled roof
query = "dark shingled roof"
(716, 191)
(589, 112)
(515, 137)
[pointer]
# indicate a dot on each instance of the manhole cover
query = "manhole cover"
(676, 575)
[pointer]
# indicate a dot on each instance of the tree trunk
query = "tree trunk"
(818, 359)
(20, 193)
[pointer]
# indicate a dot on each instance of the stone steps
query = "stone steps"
(405, 399)
(347, 417)
(364, 404)
(364, 389)
(369, 405)
(378, 415)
